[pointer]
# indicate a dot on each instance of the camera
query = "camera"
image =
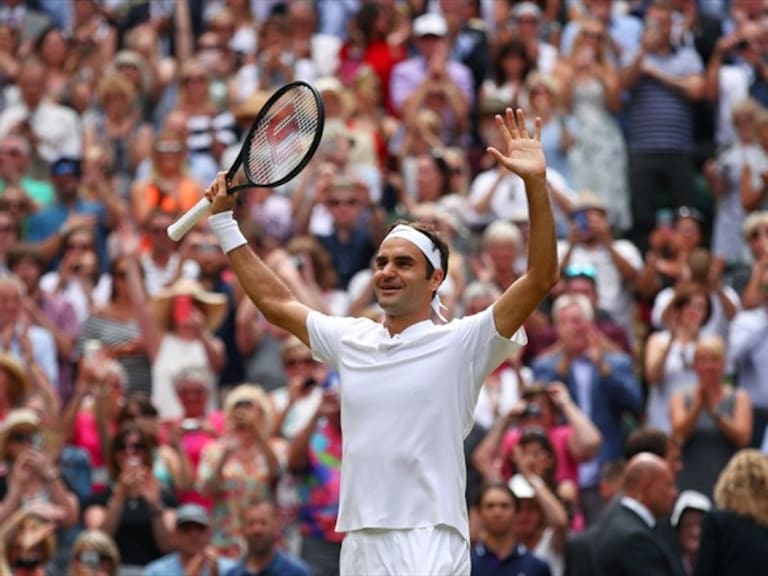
(531, 411)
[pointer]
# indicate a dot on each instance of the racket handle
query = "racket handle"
(188, 220)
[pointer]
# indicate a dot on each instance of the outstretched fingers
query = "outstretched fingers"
(521, 127)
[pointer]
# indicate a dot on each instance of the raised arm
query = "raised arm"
(525, 157)
(270, 295)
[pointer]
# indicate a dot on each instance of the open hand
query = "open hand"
(524, 156)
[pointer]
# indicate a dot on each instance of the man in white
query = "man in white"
(409, 385)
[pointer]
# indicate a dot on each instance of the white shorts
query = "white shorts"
(428, 551)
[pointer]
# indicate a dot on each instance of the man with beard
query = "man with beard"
(260, 529)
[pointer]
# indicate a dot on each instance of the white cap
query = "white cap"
(689, 500)
(430, 25)
(521, 488)
(523, 9)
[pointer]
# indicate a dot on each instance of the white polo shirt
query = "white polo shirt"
(407, 403)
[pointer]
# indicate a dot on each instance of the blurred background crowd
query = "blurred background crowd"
(152, 422)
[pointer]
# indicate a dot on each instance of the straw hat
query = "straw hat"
(214, 306)
(18, 385)
(21, 417)
(251, 106)
(588, 200)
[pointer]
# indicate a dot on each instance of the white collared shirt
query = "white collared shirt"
(407, 402)
(640, 509)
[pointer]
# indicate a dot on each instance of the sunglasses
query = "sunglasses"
(293, 362)
(131, 447)
(11, 152)
(7, 228)
(79, 246)
(21, 437)
(335, 203)
(27, 563)
(168, 148)
(757, 233)
(576, 271)
(243, 404)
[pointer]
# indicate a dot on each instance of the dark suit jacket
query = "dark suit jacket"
(731, 545)
(580, 553)
(627, 546)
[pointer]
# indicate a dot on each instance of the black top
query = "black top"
(134, 536)
(731, 545)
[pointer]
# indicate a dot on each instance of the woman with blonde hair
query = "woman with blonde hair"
(240, 466)
(735, 532)
(711, 420)
(94, 553)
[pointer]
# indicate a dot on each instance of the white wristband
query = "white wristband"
(227, 231)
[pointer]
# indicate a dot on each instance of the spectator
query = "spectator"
(571, 443)
(624, 30)
(27, 541)
(240, 466)
(186, 316)
(16, 169)
(315, 458)
(591, 93)
(748, 356)
(169, 186)
(669, 354)
(94, 553)
(163, 263)
(687, 517)
(191, 537)
(663, 83)
(30, 473)
(31, 344)
(512, 65)
(50, 312)
(56, 130)
(541, 521)
(499, 551)
(600, 381)
(733, 532)
(755, 235)
(431, 80)
(119, 324)
(134, 510)
(14, 385)
(119, 128)
(198, 425)
(617, 262)
(727, 183)
(627, 543)
(713, 420)
(262, 554)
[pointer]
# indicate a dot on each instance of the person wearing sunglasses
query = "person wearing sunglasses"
(240, 466)
(134, 510)
(94, 553)
(30, 472)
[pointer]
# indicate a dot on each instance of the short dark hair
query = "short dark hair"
(647, 439)
(22, 252)
(495, 485)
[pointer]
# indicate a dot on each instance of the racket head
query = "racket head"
(283, 137)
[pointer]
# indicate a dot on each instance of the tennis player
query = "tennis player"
(409, 385)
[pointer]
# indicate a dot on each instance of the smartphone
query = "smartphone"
(91, 348)
(665, 218)
(190, 424)
(580, 218)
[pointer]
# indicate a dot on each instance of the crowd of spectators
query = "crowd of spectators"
(153, 422)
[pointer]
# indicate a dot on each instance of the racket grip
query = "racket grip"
(187, 220)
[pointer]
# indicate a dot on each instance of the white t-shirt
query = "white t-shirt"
(407, 402)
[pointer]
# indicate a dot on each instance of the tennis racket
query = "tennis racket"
(281, 141)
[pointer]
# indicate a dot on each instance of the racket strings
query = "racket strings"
(281, 141)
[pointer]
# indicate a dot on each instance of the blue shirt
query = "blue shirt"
(49, 220)
(170, 565)
(282, 565)
(519, 563)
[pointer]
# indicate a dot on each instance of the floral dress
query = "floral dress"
(244, 480)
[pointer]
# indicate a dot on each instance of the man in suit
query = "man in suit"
(627, 544)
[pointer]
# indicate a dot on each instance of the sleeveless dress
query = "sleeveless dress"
(598, 157)
(707, 451)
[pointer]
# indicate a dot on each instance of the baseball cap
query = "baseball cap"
(66, 166)
(192, 514)
(524, 9)
(429, 25)
(689, 500)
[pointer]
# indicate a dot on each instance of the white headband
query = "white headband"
(421, 240)
(427, 247)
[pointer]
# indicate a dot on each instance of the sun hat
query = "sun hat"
(18, 383)
(15, 419)
(214, 306)
(689, 500)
